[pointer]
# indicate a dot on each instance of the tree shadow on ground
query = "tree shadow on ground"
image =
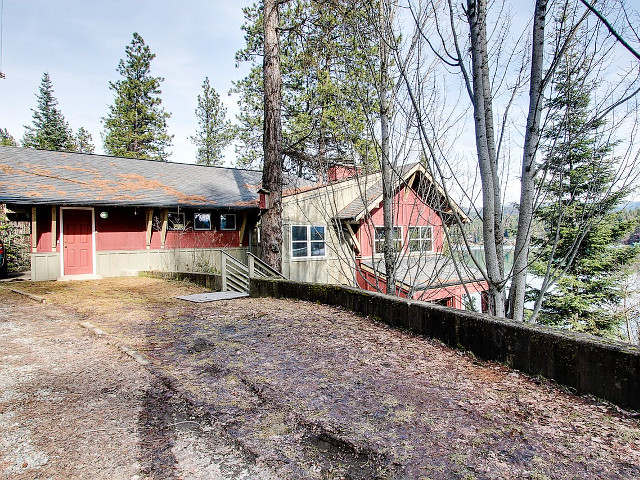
(156, 426)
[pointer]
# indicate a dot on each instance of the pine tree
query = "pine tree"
(136, 125)
(578, 247)
(328, 86)
(6, 139)
(50, 131)
(215, 131)
(83, 141)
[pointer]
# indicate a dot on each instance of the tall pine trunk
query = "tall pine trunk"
(271, 226)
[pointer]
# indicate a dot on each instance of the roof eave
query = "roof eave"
(65, 203)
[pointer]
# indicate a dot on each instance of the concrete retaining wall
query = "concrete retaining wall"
(212, 281)
(607, 369)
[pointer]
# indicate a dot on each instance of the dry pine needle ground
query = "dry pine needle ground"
(310, 391)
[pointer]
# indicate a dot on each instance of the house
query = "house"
(333, 233)
(99, 215)
(95, 215)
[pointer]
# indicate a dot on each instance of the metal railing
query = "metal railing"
(259, 269)
(236, 275)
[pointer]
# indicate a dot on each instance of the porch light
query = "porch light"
(104, 215)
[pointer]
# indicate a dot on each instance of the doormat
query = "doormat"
(212, 296)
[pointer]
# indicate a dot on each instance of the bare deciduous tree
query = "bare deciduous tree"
(472, 40)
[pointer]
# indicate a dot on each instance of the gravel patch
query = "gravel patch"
(74, 406)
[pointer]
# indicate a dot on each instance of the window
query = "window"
(421, 239)
(379, 239)
(202, 221)
(228, 221)
(176, 221)
(307, 241)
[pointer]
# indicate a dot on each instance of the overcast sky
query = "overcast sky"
(80, 42)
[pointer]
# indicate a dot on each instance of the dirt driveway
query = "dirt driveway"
(74, 406)
(264, 388)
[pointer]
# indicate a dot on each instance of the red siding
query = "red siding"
(408, 212)
(453, 293)
(126, 229)
(200, 239)
(43, 228)
(123, 229)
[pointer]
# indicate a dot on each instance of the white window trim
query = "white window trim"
(420, 239)
(184, 222)
(202, 229)
(235, 222)
(309, 241)
(375, 241)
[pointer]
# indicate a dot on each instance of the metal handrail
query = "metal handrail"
(258, 268)
(235, 274)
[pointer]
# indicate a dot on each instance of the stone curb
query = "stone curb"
(29, 295)
(134, 354)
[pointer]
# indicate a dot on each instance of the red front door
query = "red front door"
(78, 245)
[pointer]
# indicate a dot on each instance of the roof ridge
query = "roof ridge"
(96, 155)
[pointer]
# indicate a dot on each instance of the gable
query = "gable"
(414, 177)
(409, 209)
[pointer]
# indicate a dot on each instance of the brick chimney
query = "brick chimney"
(340, 172)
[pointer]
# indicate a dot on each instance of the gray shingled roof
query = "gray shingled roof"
(29, 176)
(358, 205)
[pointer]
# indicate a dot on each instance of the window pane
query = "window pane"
(299, 249)
(427, 244)
(379, 239)
(176, 221)
(317, 249)
(298, 234)
(413, 233)
(202, 221)
(228, 221)
(380, 233)
(414, 245)
(317, 233)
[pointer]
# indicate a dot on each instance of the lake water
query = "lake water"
(534, 281)
(478, 254)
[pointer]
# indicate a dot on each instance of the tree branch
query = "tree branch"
(612, 30)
